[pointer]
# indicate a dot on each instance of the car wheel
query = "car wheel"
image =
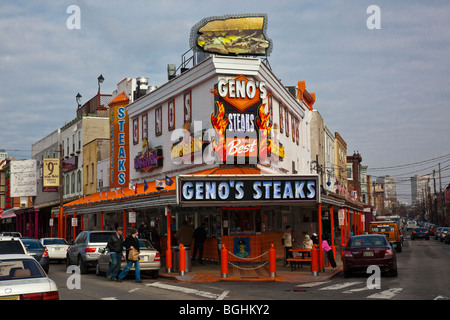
(67, 262)
(399, 247)
(82, 266)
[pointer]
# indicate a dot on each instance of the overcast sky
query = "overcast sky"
(386, 91)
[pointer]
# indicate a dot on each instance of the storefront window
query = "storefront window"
(242, 222)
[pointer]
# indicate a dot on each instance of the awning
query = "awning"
(143, 195)
(9, 213)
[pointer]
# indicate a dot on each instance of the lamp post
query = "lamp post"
(100, 80)
(78, 98)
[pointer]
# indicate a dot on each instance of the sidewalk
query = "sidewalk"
(211, 272)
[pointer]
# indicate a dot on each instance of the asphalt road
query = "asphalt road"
(423, 274)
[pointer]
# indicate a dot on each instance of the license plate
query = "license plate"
(143, 258)
(10, 298)
(368, 253)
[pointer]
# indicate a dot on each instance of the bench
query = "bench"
(296, 261)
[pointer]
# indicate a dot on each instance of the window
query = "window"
(187, 107)
(145, 126)
(73, 142)
(158, 121)
(135, 131)
(171, 115)
(349, 171)
(72, 180)
(79, 140)
(79, 181)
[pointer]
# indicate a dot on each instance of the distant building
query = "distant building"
(419, 188)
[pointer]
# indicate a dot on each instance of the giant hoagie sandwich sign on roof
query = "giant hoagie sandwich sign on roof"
(232, 35)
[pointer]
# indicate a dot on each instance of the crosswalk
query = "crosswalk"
(353, 287)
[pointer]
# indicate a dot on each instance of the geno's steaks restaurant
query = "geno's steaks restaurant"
(224, 143)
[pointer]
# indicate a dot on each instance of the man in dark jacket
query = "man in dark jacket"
(131, 242)
(199, 240)
(114, 247)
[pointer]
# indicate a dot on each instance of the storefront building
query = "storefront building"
(224, 143)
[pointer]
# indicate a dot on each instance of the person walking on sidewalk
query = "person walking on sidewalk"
(115, 248)
(199, 240)
(330, 253)
(131, 242)
(287, 241)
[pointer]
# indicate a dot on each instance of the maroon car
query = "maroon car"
(366, 250)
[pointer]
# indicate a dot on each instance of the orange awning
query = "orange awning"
(141, 191)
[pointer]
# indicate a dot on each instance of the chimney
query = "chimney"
(141, 87)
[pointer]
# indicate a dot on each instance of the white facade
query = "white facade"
(195, 86)
(72, 149)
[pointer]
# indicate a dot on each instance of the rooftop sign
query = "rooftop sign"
(232, 35)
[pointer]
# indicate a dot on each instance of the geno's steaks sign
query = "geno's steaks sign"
(246, 189)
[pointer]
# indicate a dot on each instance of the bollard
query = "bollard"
(315, 261)
(224, 262)
(182, 258)
(272, 262)
(169, 260)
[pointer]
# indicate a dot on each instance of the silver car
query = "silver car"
(84, 251)
(149, 260)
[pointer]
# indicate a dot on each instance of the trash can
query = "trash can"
(176, 258)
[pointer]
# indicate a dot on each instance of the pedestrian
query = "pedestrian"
(315, 239)
(185, 235)
(199, 240)
(115, 247)
(131, 242)
(330, 253)
(287, 241)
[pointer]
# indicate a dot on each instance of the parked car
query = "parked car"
(10, 234)
(411, 224)
(38, 251)
(447, 238)
(10, 245)
(84, 251)
(444, 232)
(437, 234)
(56, 247)
(431, 228)
(370, 249)
(149, 260)
(390, 230)
(420, 233)
(22, 278)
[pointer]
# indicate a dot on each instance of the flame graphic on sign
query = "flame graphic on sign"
(264, 125)
(220, 123)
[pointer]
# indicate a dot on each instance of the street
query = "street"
(423, 274)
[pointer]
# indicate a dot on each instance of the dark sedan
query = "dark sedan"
(366, 250)
(420, 233)
(38, 251)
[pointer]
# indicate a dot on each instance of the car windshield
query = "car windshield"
(32, 244)
(11, 269)
(48, 242)
(13, 246)
(367, 241)
(145, 244)
(100, 237)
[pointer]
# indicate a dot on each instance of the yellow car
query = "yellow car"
(390, 230)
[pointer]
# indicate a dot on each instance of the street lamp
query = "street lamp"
(100, 80)
(78, 98)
